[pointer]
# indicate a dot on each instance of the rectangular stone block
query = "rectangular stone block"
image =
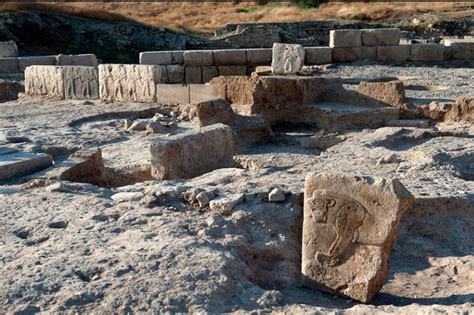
(176, 74)
(230, 57)
(346, 54)
(393, 54)
(317, 55)
(9, 65)
(459, 50)
(192, 153)
(119, 82)
(44, 80)
(80, 83)
(86, 60)
(381, 37)
(368, 52)
(198, 58)
(156, 58)
(177, 56)
(345, 38)
(25, 62)
(21, 163)
(232, 70)
(259, 56)
(8, 49)
(172, 94)
(193, 75)
(287, 58)
(205, 92)
(209, 73)
(390, 93)
(349, 229)
(427, 52)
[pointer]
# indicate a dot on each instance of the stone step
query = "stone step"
(22, 163)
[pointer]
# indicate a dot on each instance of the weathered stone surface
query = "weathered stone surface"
(215, 111)
(175, 73)
(232, 70)
(230, 57)
(345, 38)
(205, 92)
(21, 163)
(86, 60)
(193, 75)
(389, 93)
(287, 58)
(225, 204)
(172, 94)
(198, 58)
(346, 54)
(251, 130)
(193, 153)
(409, 123)
(8, 49)
(317, 55)
(427, 52)
(395, 54)
(368, 52)
(81, 83)
(462, 49)
(119, 82)
(9, 90)
(462, 110)
(9, 65)
(381, 36)
(156, 58)
(209, 73)
(349, 228)
(25, 62)
(259, 56)
(44, 80)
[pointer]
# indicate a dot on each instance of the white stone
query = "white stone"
(225, 204)
(127, 196)
(287, 58)
(276, 195)
(139, 125)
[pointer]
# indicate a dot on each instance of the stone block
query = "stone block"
(156, 58)
(18, 164)
(390, 93)
(345, 38)
(175, 74)
(177, 56)
(25, 62)
(251, 130)
(9, 65)
(199, 93)
(44, 80)
(346, 54)
(381, 37)
(214, 112)
(368, 53)
(232, 70)
(349, 228)
(427, 52)
(8, 49)
(192, 153)
(86, 60)
(193, 75)
(209, 73)
(462, 110)
(259, 56)
(460, 51)
(317, 55)
(287, 58)
(80, 83)
(198, 58)
(119, 82)
(393, 54)
(230, 57)
(172, 94)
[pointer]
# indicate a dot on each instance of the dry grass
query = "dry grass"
(208, 16)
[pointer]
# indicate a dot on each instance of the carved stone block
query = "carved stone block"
(349, 228)
(44, 80)
(81, 83)
(287, 58)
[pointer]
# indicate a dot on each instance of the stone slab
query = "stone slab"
(230, 57)
(393, 54)
(209, 73)
(346, 54)
(176, 74)
(119, 82)
(409, 123)
(345, 38)
(172, 93)
(9, 65)
(44, 80)
(349, 228)
(368, 53)
(198, 58)
(232, 70)
(193, 75)
(25, 62)
(81, 83)
(317, 55)
(86, 60)
(427, 52)
(156, 58)
(8, 49)
(193, 153)
(199, 93)
(22, 163)
(287, 58)
(381, 36)
(259, 56)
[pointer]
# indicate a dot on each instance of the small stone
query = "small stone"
(127, 196)
(225, 204)
(154, 127)
(215, 220)
(56, 187)
(392, 158)
(139, 125)
(276, 195)
(203, 198)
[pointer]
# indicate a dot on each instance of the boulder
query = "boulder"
(349, 228)
(287, 58)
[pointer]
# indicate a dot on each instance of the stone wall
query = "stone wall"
(16, 64)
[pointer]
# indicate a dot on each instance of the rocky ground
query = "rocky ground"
(71, 246)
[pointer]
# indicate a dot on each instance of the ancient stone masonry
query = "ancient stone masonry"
(287, 59)
(349, 228)
(136, 83)
(81, 83)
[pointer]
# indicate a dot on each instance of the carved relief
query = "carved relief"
(44, 80)
(81, 82)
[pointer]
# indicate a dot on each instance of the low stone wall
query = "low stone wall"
(19, 64)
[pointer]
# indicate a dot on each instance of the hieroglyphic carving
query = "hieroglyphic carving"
(80, 82)
(44, 80)
(130, 82)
